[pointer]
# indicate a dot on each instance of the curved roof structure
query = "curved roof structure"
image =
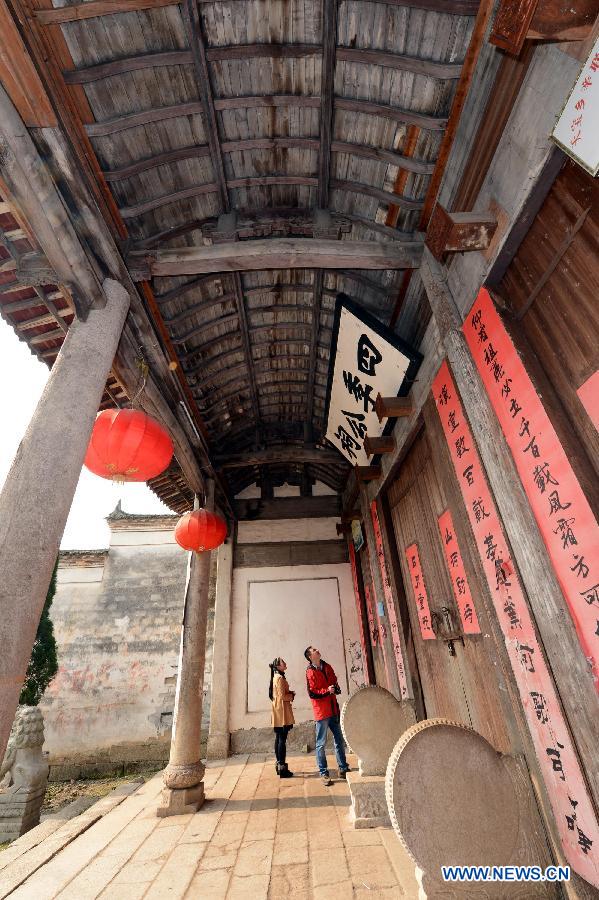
(251, 155)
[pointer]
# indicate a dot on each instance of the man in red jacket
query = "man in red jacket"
(322, 688)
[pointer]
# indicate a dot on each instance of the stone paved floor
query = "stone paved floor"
(257, 837)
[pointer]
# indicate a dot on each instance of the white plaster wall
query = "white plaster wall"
(141, 538)
(79, 575)
(256, 639)
(282, 530)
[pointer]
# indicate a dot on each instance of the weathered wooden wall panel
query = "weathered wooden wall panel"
(552, 287)
(295, 553)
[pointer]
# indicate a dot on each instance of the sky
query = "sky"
(95, 497)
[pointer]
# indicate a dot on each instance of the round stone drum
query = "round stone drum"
(451, 799)
(372, 721)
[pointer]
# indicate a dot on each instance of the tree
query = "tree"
(43, 664)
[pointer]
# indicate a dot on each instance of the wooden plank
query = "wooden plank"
(264, 101)
(288, 508)
(405, 116)
(198, 190)
(327, 90)
(373, 445)
(368, 190)
(19, 76)
(367, 473)
(388, 156)
(147, 117)
(277, 253)
(293, 553)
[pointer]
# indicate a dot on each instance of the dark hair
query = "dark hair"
(307, 652)
(273, 666)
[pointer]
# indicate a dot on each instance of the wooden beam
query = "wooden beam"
(89, 74)
(459, 231)
(147, 117)
(292, 553)
(278, 455)
(541, 20)
(277, 253)
(392, 407)
(199, 307)
(198, 190)
(327, 90)
(19, 76)
(374, 445)
(288, 508)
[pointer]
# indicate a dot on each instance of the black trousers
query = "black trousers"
(281, 733)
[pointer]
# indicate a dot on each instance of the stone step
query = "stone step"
(29, 853)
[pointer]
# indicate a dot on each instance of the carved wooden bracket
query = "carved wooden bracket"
(368, 473)
(385, 444)
(392, 408)
(459, 231)
(541, 20)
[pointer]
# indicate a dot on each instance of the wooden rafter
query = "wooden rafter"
(130, 212)
(402, 62)
(96, 8)
(278, 455)
(162, 113)
(276, 253)
(276, 143)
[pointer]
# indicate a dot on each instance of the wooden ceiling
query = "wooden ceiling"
(254, 158)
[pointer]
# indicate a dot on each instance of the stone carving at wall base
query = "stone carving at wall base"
(23, 775)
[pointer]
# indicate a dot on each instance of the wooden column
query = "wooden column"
(38, 492)
(218, 737)
(183, 777)
(377, 581)
(550, 614)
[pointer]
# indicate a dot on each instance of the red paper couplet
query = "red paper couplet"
(374, 634)
(395, 633)
(563, 514)
(573, 810)
(457, 574)
(420, 595)
(354, 572)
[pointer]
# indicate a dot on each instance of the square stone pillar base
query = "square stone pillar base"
(368, 803)
(178, 801)
(20, 808)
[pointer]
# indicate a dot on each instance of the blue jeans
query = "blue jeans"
(321, 738)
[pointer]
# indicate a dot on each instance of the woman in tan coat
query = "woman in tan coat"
(282, 714)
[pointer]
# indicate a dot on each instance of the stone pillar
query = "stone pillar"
(38, 492)
(183, 777)
(218, 738)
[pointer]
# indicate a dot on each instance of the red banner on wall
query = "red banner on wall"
(457, 574)
(420, 595)
(354, 573)
(391, 614)
(563, 514)
(574, 815)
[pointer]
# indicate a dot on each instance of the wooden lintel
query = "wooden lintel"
(368, 473)
(459, 231)
(392, 407)
(19, 76)
(276, 253)
(288, 508)
(383, 444)
(278, 455)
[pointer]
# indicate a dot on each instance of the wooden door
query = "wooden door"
(459, 680)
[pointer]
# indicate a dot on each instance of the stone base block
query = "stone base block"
(20, 809)
(368, 803)
(178, 801)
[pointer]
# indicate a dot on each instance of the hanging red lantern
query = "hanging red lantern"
(128, 445)
(200, 530)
